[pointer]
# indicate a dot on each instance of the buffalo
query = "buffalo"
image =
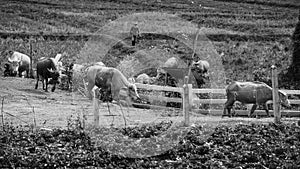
(19, 62)
(176, 68)
(257, 93)
(46, 68)
(173, 71)
(202, 66)
(8, 70)
(110, 82)
(145, 79)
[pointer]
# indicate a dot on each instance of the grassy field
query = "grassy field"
(89, 16)
(249, 34)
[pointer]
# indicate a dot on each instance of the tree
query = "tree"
(294, 69)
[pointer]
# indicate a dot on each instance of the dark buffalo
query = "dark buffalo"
(8, 70)
(257, 93)
(46, 69)
(202, 66)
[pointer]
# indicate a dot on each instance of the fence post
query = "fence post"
(31, 57)
(2, 113)
(96, 111)
(190, 91)
(276, 104)
(186, 104)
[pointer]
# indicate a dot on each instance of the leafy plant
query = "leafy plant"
(238, 146)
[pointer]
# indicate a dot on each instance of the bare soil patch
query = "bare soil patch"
(22, 103)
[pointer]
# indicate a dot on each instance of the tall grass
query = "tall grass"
(242, 60)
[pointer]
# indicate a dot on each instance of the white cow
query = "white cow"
(19, 62)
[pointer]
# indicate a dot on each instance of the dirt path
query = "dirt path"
(53, 109)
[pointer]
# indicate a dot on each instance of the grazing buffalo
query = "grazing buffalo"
(20, 62)
(8, 70)
(145, 79)
(200, 72)
(256, 93)
(110, 82)
(46, 68)
(202, 66)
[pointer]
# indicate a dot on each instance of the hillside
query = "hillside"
(249, 35)
(89, 16)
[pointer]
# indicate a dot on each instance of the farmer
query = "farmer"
(134, 33)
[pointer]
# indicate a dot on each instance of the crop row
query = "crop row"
(217, 37)
(246, 15)
(89, 17)
(272, 3)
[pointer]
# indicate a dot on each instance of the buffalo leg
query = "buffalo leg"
(37, 83)
(27, 74)
(252, 110)
(108, 108)
(89, 90)
(46, 80)
(123, 115)
(228, 107)
(20, 73)
(267, 109)
(53, 88)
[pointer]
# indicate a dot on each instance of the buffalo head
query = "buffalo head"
(284, 99)
(54, 74)
(8, 70)
(14, 66)
(132, 92)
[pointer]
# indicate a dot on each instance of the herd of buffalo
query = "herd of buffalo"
(108, 83)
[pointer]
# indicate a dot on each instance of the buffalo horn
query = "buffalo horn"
(50, 70)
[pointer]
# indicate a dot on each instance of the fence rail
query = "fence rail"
(199, 91)
(151, 97)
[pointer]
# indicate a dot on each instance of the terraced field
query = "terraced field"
(250, 34)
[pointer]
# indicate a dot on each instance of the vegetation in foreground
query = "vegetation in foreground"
(240, 146)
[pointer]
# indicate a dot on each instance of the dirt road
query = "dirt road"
(22, 104)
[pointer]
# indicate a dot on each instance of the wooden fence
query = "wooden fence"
(188, 97)
(212, 101)
(197, 91)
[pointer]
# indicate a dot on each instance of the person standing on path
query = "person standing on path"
(134, 33)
